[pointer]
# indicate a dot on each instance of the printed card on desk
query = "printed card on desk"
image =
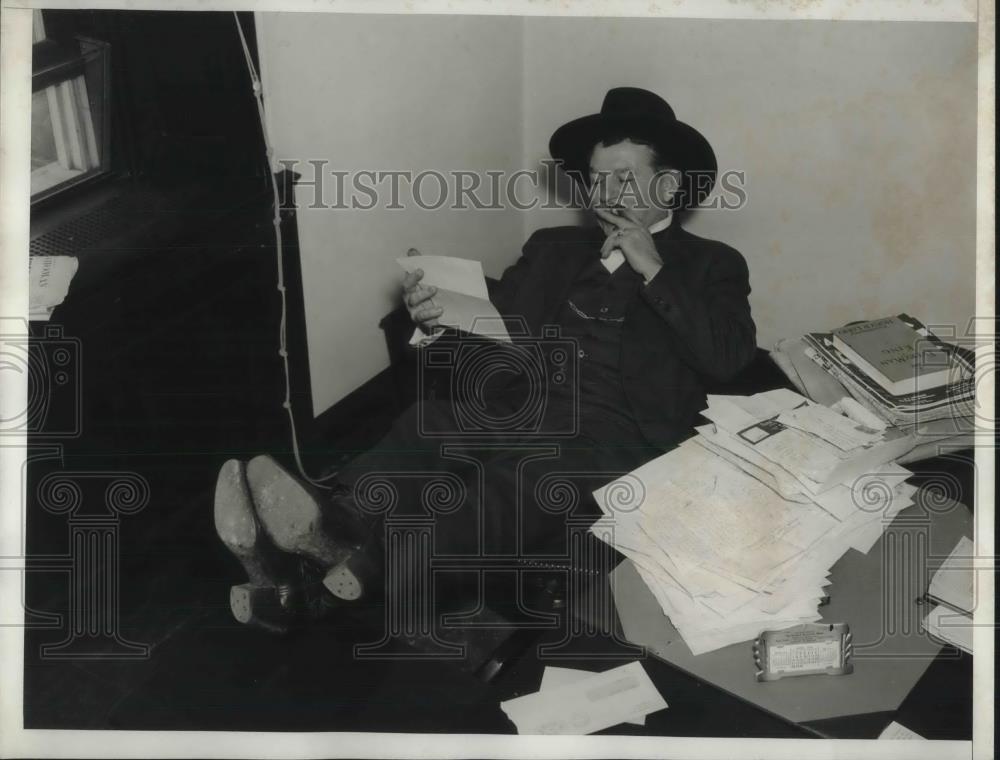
(587, 705)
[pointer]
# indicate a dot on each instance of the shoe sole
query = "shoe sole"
(292, 516)
(343, 583)
(256, 603)
(237, 525)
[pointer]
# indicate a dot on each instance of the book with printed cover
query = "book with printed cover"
(960, 390)
(900, 354)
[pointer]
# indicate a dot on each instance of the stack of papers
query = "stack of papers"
(931, 417)
(735, 530)
(953, 401)
(580, 702)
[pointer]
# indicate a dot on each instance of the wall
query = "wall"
(857, 139)
(387, 93)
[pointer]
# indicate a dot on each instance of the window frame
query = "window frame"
(62, 71)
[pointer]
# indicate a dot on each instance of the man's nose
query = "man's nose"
(612, 189)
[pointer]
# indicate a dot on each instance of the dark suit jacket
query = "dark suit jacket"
(691, 323)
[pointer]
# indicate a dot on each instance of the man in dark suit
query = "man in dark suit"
(652, 313)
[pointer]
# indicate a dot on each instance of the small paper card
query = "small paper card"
(554, 677)
(897, 731)
(587, 705)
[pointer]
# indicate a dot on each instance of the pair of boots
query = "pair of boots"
(304, 555)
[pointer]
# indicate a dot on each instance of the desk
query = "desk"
(938, 706)
(877, 594)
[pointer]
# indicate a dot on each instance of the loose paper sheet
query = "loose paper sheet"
(954, 581)
(590, 704)
(553, 677)
(49, 278)
(948, 625)
(896, 731)
(461, 293)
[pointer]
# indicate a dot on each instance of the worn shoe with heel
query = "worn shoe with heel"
(280, 593)
(302, 521)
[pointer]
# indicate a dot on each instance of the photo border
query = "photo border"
(15, 97)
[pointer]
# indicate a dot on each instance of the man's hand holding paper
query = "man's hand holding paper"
(441, 290)
(419, 298)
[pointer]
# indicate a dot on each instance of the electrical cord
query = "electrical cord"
(280, 261)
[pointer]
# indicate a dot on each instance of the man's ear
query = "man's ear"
(666, 183)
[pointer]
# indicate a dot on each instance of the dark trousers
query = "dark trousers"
(492, 492)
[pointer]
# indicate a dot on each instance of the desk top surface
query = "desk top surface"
(876, 593)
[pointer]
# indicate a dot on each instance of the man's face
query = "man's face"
(624, 175)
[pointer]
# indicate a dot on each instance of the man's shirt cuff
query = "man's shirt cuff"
(419, 339)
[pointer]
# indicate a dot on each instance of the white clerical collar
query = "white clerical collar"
(661, 225)
(616, 258)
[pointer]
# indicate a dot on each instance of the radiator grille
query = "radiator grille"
(113, 217)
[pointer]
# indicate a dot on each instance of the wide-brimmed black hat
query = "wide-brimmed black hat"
(646, 116)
